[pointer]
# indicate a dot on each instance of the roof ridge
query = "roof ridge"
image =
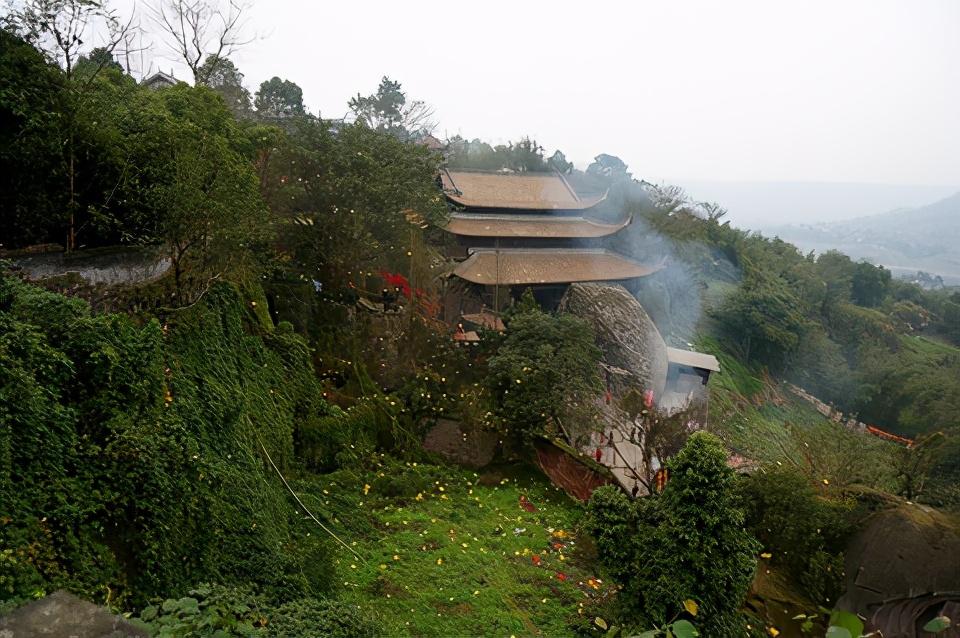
(563, 179)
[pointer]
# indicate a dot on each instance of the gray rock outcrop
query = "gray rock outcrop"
(63, 615)
(634, 353)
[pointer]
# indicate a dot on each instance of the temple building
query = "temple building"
(513, 231)
(687, 375)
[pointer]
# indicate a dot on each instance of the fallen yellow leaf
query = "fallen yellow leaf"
(691, 606)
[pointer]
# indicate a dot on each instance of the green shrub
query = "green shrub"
(545, 369)
(321, 619)
(803, 532)
(686, 544)
(208, 610)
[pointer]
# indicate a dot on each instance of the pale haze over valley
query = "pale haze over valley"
(783, 112)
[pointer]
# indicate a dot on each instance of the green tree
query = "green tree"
(57, 28)
(686, 544)
(99, 59)
(388, 111)
(525, 155)
(869, 284)
(763, 319)
(558, 162)
(223, 76)
(545, 370)
(203, 188)
(609, 166)
(279, 98)
(800, 530)
(32, 103)
(914, 464)
(836, 270)
(343, 198)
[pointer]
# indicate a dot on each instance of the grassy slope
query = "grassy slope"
(452, 562)
(762, 420)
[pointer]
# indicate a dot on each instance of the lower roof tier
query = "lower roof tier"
(533, 266)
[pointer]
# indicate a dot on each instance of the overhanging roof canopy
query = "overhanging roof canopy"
(520, 191)
(532, 266)
(545, 226)
(692, 359)
(485, 318)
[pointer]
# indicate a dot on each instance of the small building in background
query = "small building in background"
(687, 375)
(160, 80)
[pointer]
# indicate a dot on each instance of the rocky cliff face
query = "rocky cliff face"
(634, 353)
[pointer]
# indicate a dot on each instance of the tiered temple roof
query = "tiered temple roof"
(519, 225)
(550, 233)
(513, 191)
(536, 266)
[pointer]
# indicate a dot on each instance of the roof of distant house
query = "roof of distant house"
(519, 225)
(531, 266)
(486, 319)
(470, 336)
(160, 78)
(693, 359)
(520, 191)
(431, 142)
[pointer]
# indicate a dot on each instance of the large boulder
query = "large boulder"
(902, 552)
(63, 615)
(633, 350)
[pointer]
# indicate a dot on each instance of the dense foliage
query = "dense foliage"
(137, 451)
(799, 529)
(214, 610)
(844, 330)
(688, 543)
(121, 442)
(545, 371)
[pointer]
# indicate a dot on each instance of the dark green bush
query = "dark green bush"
(687, 543)
(803, 532)
(130, 456)
(312, 618)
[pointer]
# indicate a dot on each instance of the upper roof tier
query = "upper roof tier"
(513, 191)
(527, 266)
(519, 225)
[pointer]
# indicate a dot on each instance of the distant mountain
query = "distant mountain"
(756, 205)
(905, 240)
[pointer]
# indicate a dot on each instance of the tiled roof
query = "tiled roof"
(486, 319)
(548, 226)
(521, 191)
(519, 266)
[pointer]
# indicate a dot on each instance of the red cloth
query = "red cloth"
(396, 280)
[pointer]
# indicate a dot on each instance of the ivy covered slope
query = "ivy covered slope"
(130, 453)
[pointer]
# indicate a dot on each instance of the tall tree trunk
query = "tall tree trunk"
(72, 238)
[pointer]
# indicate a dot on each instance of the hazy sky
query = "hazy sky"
(840, 91)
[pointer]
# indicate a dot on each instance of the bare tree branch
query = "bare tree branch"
(197, 29)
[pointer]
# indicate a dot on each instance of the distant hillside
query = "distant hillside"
(904, 240)
(757, 205)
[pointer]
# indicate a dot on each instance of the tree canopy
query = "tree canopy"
(278, 98)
